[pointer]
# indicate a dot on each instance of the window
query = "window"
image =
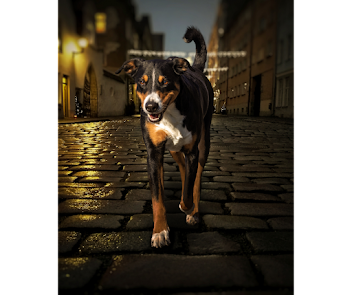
(282, 92)
(280, 51)
(278, 93)
(271, 16)
(253, 58)
(244, 64)
(112, 18)
(260, 55)
(286, 91)
(269, 49)
(135, 40)
(244, 86)
(261, 25)
(290, 47)
(100, 23)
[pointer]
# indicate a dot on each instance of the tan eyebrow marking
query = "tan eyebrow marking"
(145, 78)
(161, 78)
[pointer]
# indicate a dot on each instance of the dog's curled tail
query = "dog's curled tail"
(193, 34)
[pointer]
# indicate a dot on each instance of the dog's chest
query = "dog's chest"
(177, 134)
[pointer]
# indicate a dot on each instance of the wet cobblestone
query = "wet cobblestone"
(243, 244)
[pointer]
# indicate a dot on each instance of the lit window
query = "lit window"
(100, 22)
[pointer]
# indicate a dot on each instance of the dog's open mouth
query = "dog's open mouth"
(155, 117)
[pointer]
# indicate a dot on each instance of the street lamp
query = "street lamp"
(83, 43)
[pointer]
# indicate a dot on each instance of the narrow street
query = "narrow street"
(243, 244)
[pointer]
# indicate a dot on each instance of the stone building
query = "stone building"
(284, 60)
(94, 38)
(213, 62)
(249, 86)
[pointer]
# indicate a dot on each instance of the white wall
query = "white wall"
(112, 101)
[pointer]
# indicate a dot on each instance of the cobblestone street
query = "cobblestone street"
(243, 244)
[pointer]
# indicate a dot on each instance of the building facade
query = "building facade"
(213, 62)
(236, 79)
(284, 60)
(94, 38)
(82, 77)
(261, 82)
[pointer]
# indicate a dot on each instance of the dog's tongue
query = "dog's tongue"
(154, 116)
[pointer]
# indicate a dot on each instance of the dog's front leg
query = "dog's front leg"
(191, 161)
(161, 229)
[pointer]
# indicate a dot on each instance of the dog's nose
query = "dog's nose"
(151, 106)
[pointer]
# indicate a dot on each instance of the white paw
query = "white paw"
(192, 220)
(186, 212)
(161, 239)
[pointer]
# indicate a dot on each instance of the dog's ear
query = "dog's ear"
(180, 65)
(131, 66)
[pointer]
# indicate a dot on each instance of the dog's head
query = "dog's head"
(158, 82)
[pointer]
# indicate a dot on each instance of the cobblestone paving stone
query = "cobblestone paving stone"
(243, 244)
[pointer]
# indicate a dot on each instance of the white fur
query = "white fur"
(152, 97)
(192, 220)
(161, 239)
(172, 124)
(153, 82)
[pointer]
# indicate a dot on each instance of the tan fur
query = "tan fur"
(156, 135)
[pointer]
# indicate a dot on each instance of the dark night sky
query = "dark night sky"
(173, 17)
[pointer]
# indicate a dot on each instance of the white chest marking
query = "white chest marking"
(172, 124)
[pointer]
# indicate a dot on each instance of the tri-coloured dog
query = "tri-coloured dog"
(176, 111)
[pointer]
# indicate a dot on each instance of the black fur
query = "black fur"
(193, 34)
(194, 101)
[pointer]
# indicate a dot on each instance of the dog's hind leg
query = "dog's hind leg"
(191, 162)
(193, 217)
(180, 160)
(203, 148)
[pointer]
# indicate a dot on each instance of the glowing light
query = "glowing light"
(83, 42)
(184, 54)
(71, 47)
(100, 23)
(216, 69)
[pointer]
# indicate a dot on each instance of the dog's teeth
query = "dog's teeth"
(153, 117)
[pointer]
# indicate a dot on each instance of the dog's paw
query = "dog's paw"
(192, 219)
(161, 239)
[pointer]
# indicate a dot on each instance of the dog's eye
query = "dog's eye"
(164, 82)
(142, 82)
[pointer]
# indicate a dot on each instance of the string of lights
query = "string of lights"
(216, 69)
(186, 54)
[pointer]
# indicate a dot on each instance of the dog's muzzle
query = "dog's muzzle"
(153, 109)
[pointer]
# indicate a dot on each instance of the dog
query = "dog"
(176, 112)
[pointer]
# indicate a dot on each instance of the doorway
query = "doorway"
(90, 94)
(257, 81)
(65, 95)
